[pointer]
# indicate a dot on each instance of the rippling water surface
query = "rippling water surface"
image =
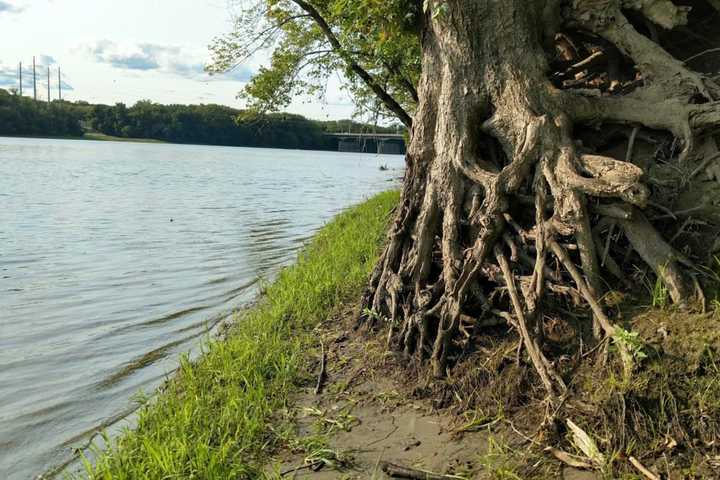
(115, 257)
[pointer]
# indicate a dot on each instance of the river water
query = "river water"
(116, 257)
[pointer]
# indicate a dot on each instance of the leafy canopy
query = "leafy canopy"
(311, 40)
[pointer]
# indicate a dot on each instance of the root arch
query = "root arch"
(500, 199)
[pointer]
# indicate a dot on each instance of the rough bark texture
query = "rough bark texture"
(503, 209)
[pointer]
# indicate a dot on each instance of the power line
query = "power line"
(34, 81)
(21, 79)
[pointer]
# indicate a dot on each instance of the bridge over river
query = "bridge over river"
(390, 143)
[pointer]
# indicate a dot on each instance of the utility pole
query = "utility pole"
(20, 78)
(48, 83)
(59, 86)
(34, 81)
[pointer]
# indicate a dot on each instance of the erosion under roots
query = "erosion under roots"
(551, 145)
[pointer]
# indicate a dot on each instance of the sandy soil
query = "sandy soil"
(369, 416)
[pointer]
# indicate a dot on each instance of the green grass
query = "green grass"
(215, 418)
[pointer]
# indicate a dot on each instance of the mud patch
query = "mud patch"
(373, 409)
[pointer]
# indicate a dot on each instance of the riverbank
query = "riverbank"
(217, 417)
(252, 408)
(93, 136)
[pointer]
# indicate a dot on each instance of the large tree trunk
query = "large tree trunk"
(500, 200)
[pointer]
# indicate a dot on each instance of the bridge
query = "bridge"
(390, 143)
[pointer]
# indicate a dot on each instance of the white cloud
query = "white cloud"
(57, 27)
(8, 76)
(169, 59)
(7, 7)
(44, 61)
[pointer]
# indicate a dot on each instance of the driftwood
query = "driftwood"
(569, 459)
(641, 468)
(399, 471)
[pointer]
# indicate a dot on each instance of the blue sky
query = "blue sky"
(123, 51)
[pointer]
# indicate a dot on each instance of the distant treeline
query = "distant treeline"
(200, 124)
(24, 116)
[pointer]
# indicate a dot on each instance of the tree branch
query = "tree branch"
(407, 84)
(369, 80)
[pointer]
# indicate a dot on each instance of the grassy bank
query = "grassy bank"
(214, 419)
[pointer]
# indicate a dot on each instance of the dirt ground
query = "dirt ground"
(366, 416)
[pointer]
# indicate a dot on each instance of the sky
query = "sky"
(123, 51)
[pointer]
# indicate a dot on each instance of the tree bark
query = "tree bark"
(490, 133)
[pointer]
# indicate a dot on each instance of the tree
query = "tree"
(24, 116)
(541, 129)
(374, 44)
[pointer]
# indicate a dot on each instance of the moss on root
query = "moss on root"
(665, 413)
(668, 410)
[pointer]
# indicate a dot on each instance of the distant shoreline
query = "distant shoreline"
(216, 125)
(99, 137)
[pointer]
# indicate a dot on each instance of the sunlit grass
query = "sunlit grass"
(213, 421)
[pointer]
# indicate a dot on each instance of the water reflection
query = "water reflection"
(115, 257)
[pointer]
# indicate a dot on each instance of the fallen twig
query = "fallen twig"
(680, 230)
(311, 466)
(606, 250)
(631, 145)
(569, 459)
(390, 434)
(681, 213)
(705, 163)
(521, 434)
(398, 471)
(321, 375)
(641, 468)
(668, 213)
(596, 347)
(704, 52)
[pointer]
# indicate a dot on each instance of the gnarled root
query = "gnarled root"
(492, 137)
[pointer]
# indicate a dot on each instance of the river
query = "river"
(117, 257)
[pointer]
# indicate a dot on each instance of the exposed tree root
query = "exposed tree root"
(494, 137)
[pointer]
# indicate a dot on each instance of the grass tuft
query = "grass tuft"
(214, 419)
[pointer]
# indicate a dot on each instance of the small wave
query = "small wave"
(155, 322)
(143, 361)
(230, 294)
(207, 325)
(218, 280)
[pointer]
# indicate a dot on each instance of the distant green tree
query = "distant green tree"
(211, 124)
(24, 116)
